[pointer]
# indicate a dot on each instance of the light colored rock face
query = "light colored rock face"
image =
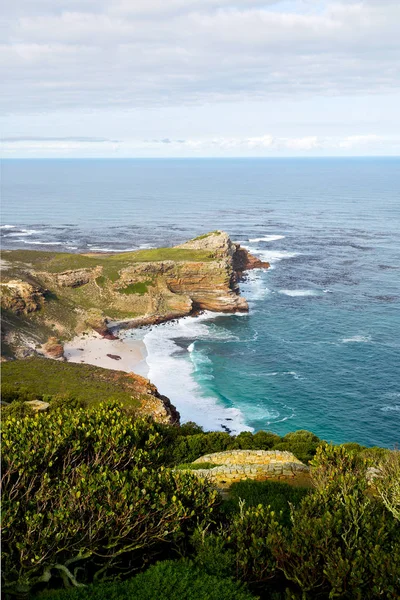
(21, 297)
(77, 277)
(258, 465)
(38, 405)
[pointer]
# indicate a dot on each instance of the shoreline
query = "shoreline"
(155, 357)
(117, 354)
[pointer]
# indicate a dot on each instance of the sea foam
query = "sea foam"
(178, 371)
(357, 339)
(299, 293)
(267, 238)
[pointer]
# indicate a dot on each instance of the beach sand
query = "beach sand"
(119, 355)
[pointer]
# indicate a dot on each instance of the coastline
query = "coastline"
(94, 349)
(157, 355)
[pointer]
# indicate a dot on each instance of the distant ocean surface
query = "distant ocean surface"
(320, 348)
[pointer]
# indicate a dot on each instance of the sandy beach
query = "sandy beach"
(117, 354)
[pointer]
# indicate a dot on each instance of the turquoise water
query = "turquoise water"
(320, 347)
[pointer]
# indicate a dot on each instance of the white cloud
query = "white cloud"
(353, 141)
(138, 53)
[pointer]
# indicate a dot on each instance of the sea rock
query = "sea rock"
(21, 297)
(244, 261)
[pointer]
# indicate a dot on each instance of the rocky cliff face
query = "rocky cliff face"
(64, 294)
(21, 297)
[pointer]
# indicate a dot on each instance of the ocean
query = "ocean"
(320, 347)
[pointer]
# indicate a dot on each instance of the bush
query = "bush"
(193, 444)
(342, 542)
(278, 496)
(168, 580)
(388, 484)
(187, 449)
(17, 409)
(250, 538)
(83, 493)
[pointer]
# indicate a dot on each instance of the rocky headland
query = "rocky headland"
(59, 295)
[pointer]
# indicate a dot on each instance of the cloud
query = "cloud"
(263, 145)
(353, 141)
(41, 140)
(92, 54)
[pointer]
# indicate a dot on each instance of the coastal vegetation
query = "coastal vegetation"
(105, 495)
(94, 505)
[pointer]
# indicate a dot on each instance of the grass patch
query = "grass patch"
(275, 494)
(206, 235)
(135, 288)
(100, 280)
(92, 385)
(57, 262)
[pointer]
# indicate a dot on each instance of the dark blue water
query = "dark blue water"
(320, 348)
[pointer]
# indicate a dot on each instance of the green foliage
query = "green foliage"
(342, 542)
(302, 443)
(64, 401)
(250, 536)
(180, 580)
(212, 554)
(84, 492)
(388, 483)
(190, 445)
(35, 377)
(140, 288)
(11, 393)
(275, 494)
(18, 409)
(187, 449)
(101, 280)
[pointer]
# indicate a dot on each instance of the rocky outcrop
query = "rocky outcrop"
(258, 465)
(21, 297)
(131, 289)
(78, 277)
(243, 261)
(53, 348)
(184, 286)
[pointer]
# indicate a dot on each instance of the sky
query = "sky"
(199, 78)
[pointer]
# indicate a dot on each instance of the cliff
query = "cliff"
(89, 384)
(47, 294)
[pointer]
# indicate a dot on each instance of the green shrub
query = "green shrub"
(63, 401)
(193, 444)
(83, 492)
(17, 393)
(343, 543)
(278, 496)
(250, 534)
(18, 409)
(187, 449)
(168, 580)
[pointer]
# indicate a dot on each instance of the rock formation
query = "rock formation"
(259, 465)
(129, 289)
(53, 348)
(21, 297)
